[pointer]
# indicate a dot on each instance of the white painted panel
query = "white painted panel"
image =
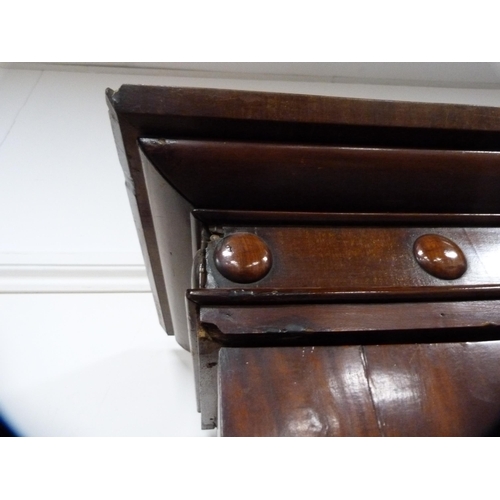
(93, 365)
(15, 89)
(60, 182)
(73, 279)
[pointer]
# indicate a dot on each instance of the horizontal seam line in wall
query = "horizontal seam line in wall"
(29, 278)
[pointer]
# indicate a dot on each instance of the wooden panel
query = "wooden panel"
(294, 392)
(436, 390)
(391, 390)
(245, 218)
(359, 258)
(126, 143)
(174, 245)
(304, 321)
(271, 296)
(250, 176)
(226, 115)
(185, 109)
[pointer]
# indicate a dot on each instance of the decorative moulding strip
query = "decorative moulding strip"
(73, 279)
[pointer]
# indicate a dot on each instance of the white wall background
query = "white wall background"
(81, 351)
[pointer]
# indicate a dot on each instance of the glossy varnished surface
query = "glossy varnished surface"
(294, 392)
(304, 321)
(440, 256)
(340, 158)
(367, 295)
(361, 257)
(436, 389)
(244, 218)
(242, 257)
(191, 104)
(392, 390)
(433, 138)
(253, 176)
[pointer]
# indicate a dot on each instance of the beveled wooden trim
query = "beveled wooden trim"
(262, 296)
(274, 218)
(251, 175)
(126, 137)
(254, 106)
(302, 321)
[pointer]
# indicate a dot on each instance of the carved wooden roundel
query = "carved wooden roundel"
(440, 256)
(243, 258)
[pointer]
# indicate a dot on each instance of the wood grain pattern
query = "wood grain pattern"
(391, 390)
(344, 257)
(436, 390)
(305, 321)
(252, 176)
(340, 189)
(246, 218)
(126, 139)
(206, 115)
(173, 239)
(294, 392)
(199, 106)
(367, 295)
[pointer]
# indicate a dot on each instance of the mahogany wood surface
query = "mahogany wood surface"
(256, 176)
(360, 257)
(183, 109)
(272, 296)
(384, 390)
(186, 114)
(345, 333)
(245, 218)
(440, 256)
(242, 257)
(305, 320)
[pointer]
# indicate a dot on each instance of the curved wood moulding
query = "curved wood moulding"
(237, 175)
(270, 218)
(257, 296)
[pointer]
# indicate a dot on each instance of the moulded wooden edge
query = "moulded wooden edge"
(257, 175)
(303, 321)
(263, 218)
(251, 105)
(261, 296)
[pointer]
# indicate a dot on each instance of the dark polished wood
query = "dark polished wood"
(300, 391)
(242, 257)
(270, 296)
(345, 333)
(305, 320)
(360, 257)
(262, 176)
(440, 256)
(194, 109)
(384, 390)
(245, 218)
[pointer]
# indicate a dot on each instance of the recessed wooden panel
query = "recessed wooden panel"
(359, 258)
